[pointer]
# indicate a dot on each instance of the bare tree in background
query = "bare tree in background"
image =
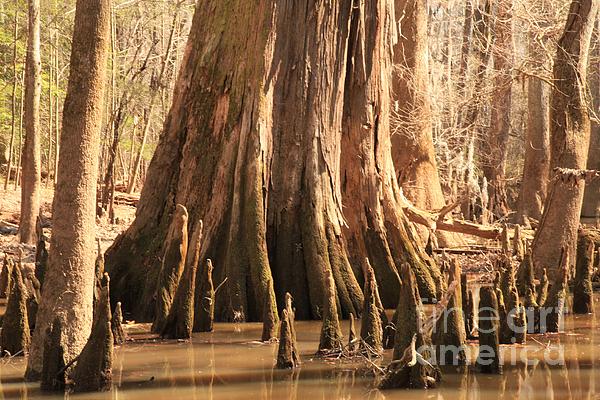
(32, 164)
(412, 143)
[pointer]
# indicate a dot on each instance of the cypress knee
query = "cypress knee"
(172, 267)
(467, 305)
(180, 321)
(292, 317)
(505, 241)
(116, 325)
(450, 337)
(5, 277)
(286, 354)
(41, 260)
(513, 324)
(551, 316)
(488, 360)
(34, 296)
(409, 368)
(205, 309)
(352, 338)
(518, 244)
(53, 376)
(525, 283)
(331, 332)
(582, 290)
(98, 273)
(93, 371)
(15, 337)
(371, 330)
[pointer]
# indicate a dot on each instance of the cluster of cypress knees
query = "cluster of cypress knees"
(421, 344)
(416, 339)
(22, 285)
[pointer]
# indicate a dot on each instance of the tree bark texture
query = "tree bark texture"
(536, 165)
(32, 161)
(70, 274)
(370, 192)
(591, 199)
(569, 137)
(252, 148)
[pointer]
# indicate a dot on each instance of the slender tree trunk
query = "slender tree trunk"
(412, 143)
(56, 108)
(20, 152)
(465, 47)
(132, 149)
(32, 165)
(69, 279)
(591, 199)
(50, 117)
(483, 40)
(537, 152)
(493, 148)
(569, 137)
(14, 101)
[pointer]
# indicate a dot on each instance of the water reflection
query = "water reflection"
(229, 364)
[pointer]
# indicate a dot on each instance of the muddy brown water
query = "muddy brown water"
(230, 364)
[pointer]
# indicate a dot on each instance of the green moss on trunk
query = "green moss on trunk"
(331, 333)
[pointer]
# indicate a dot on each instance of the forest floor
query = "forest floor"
(477, 263)
(10, 214)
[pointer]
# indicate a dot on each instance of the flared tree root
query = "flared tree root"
(93, 371)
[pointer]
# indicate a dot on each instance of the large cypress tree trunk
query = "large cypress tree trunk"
(569, 137)
(69, 279)
(412, 141)
(32, 162)
(377, 227)
(252, 147)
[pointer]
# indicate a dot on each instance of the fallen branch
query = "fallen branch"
(9, 224)
(436, 221)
